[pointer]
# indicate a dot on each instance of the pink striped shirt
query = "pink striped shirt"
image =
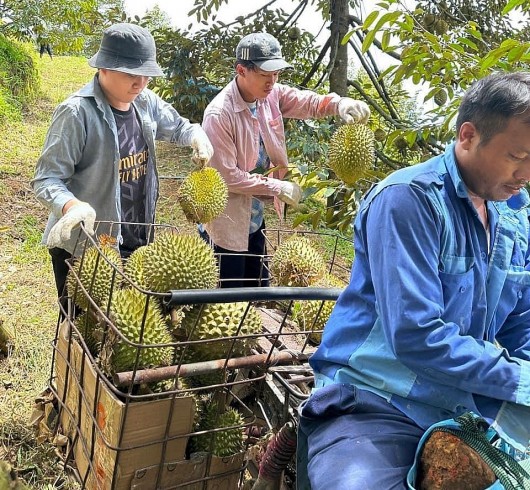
(234, 134)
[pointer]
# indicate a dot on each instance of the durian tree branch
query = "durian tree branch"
(317, 63)
(240, 20)
(293, 17)
(356, 22)
(394, 164)
(394, 122)
(375, 82)
(379, 82)
(338, 64)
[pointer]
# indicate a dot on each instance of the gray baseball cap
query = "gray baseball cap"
(263, 50)
(128, 48)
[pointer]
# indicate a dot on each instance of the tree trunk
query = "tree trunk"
(338, 77)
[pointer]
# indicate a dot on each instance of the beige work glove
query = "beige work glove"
(353, 111)
(202, 149)
(290, 193)
(62, 230)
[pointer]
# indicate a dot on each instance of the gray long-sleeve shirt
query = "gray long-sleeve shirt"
(80, 156)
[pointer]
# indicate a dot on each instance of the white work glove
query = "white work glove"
(290, 193)
(202, 149)
(352, 111)
(62, 230)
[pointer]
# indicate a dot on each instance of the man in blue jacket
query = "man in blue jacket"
(436, 318)
(99, 159)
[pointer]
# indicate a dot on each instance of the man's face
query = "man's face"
(255, 84)
(121, 88)
(500, 168)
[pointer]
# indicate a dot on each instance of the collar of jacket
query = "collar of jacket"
(93, 89)
(239, 103)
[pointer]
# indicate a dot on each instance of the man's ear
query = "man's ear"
(467, 134)
(240, 70)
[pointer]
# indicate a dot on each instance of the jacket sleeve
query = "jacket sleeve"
(171, 126)
(305, 104)
(219, 129)
(63, 147)
(426, 318)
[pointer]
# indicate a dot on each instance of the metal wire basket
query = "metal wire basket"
(126, 432)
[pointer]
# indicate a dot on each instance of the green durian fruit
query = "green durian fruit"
(127, 313)
(91, 330)
(178, 261)
(440, 97)
(314, 314)
(216, 320)
(294, 33)
(297, 263)
(159, 387)
(221, 443)
(401, 143)
(429, 20)
(97, 275)
(440, 27)
(203, 195)
(134, 267)
(380, 134)
(351, 152)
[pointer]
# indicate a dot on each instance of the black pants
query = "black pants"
(243, 269)
(46, 47)
(60, 268)
(60, 271)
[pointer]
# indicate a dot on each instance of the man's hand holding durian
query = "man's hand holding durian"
(353, 111)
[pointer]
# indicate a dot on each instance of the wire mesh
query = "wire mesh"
(177, 388)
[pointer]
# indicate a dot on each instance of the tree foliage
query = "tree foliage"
(437, 47)
(19, 79)
(440, 47)
(68, 25)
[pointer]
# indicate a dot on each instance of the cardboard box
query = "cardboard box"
(209, 472)
(112, 439)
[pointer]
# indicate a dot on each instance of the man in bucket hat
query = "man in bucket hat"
(245, 125)
(98, 159)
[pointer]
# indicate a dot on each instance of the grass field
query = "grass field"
(27, 291)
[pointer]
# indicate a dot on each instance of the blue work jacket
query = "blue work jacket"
(435, 319)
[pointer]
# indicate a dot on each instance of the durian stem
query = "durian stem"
(199, 368)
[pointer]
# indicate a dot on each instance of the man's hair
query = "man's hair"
(246, 64)
(491, 101)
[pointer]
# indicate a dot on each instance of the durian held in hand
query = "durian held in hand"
(202, 195)
(351, 152)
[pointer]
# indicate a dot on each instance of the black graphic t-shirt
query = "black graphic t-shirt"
(134, 156)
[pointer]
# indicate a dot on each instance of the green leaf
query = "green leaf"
(385, 40)
(346, 38)
(368, 40)
(370, 19)
(511, 5)
(468, 42)
(389, 17)
(315, 219)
